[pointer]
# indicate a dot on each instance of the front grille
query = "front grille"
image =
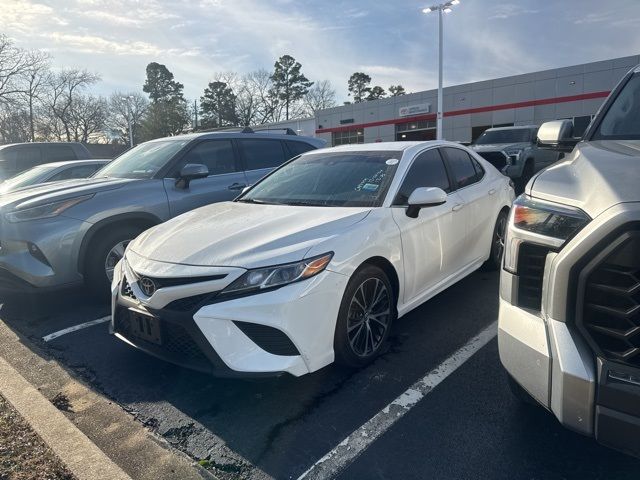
(187, 304)
(497, 159)
(126, 290)
(531, 260)
(176, 281)
(177, 344)
(609, 301)
(269, 339)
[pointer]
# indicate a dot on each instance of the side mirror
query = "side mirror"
(191, 171)
(557, 135)
(425, 197)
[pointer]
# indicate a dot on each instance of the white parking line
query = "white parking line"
(351, 447)
(75, 328)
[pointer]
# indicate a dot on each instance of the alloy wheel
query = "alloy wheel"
(369, 316)
(498, 241)
(113, 257)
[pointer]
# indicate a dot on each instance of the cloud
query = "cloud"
(509, 10)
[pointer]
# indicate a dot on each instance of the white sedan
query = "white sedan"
(314, 262)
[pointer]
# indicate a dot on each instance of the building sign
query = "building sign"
(346, 121)
(415, 109)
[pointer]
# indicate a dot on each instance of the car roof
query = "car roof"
(513, 127)
(38, 143)
(387, 146)
(238, 134)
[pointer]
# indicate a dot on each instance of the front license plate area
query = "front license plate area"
(145, 327)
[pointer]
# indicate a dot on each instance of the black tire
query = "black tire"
(497, 243)
(527, 173)
(362, 326)
(96, 256)
(520, 393)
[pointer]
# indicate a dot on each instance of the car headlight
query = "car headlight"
(542, 223)
(44, 211)
(271, 277)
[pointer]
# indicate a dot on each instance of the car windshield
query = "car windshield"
(344, 179)
(25, 178)
(143, 161)
(622, 120)
(514, 135)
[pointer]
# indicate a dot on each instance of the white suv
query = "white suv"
(569, 333)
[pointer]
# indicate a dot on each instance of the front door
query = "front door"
(432, 242)
(225, 181)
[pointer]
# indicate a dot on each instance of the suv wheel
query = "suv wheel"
(366, 314)
(103, 255)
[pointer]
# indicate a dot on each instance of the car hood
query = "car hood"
(234, 234)
(58, 191)
(594, 177)
(497, 147)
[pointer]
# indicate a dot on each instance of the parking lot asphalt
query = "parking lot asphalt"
(469, 426)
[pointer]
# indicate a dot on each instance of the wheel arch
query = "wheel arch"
(387, 267)
(139, 219)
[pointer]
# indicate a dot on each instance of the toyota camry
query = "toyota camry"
(313, 263)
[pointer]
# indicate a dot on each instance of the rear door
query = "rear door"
(431, 243)
(58, 153)
(260, 156)
(478, 195)
(225, 181)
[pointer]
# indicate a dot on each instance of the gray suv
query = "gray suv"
(514, 152)
(18, 157)
(75, 231)
(569, 328)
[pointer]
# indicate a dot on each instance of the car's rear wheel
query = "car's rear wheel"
(497, 242)
(367, 311)
(103, 255)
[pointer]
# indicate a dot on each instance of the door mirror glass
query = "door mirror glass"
(425, 197)
(557, 135)
(191, 171)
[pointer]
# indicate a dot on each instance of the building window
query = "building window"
(419, 125)
(347, 137)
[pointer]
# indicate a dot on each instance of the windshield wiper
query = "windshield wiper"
(253, 200)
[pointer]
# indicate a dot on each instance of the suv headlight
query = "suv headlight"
(542, 223)
(260, 279)
(44, 211)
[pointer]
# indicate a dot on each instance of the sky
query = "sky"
(392, 41)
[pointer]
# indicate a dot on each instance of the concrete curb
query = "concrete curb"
(81, 456)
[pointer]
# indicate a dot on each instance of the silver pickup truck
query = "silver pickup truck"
(514, 152)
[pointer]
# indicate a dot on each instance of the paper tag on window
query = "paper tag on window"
(392, 161)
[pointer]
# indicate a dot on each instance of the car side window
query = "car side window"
(217, 155)
(427, 170)
(478, 167)
(298, 148)
(262, 153)
(78, 171)
(58, 153)
(29, 157)
(462, 168)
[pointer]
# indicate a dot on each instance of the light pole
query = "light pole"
(446, 8)
(128, 100)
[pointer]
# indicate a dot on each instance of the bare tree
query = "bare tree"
(34, 81)
(14, 124)
(254, 103)
(13, 62)
(65, 88)
(88, 116)
(322, 95)
(122, 106)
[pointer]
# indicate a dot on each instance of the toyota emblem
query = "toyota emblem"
(148, 286)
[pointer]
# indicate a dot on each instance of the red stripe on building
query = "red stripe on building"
(453, 113)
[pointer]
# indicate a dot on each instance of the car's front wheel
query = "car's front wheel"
(497, 242)
(103, 255)
(366, 314)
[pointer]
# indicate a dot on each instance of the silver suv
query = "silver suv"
(75, 231)
(513, 151)
(569, 328)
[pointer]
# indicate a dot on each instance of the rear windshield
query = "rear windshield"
(516, 135)
(622, 120)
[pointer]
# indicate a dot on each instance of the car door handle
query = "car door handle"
(236, 186)
(457, 207)
(492, 191)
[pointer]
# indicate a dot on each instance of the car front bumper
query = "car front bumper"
(41, 254)
(287, 330)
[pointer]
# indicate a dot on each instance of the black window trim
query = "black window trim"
(406, 172)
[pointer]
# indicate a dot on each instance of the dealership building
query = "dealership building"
(530, 99)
